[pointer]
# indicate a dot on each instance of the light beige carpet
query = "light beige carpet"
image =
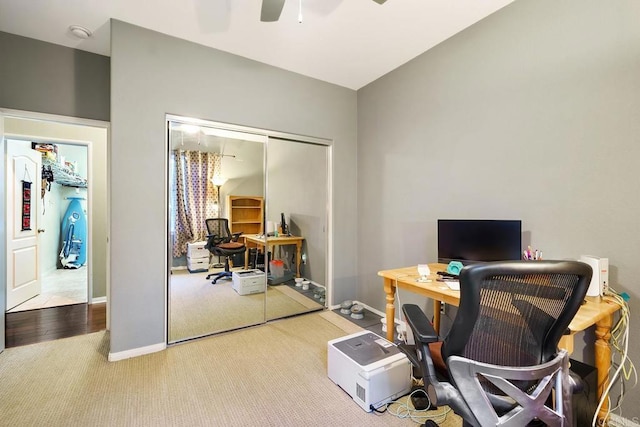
(197, 307)
(271, 375)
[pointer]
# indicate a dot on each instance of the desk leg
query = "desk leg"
(390, 290)
(246, 255)
(298, 257)
(269, 250)
(603, 360)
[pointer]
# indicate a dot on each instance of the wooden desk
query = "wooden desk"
(596, 311)
(270, 245)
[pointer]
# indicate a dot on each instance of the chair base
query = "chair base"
(223, 274)
(217, 276)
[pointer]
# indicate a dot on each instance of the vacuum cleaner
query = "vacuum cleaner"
(74, 231)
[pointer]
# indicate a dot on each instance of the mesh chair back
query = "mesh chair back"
(220, 228)
(514, 313)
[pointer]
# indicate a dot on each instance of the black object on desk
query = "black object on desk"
(283, 224)
(445, 275)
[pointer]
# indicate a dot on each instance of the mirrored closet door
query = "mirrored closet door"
(210, 172)
(271, 193)
(297, 188)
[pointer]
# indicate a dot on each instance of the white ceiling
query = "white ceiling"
(347, 42)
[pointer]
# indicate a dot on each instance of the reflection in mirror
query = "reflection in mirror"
(297, 194)
(209, 169)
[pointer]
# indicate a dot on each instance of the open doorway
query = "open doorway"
(81, 155)
(62, 217)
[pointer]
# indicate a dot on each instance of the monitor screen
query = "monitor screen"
(283, 224)
(481, 240)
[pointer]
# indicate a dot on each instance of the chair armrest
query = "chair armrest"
(423, 334)
(420, 326)
(410, 352)
(235, 236)
(212, 241)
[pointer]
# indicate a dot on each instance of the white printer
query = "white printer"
(369, 368)
(247, 282)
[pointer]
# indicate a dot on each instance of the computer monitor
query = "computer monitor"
(481, 240)
(283, 224)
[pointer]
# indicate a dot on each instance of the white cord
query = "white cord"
(624, 334)
(401, 336)
(399, 311)
(402, 409)
(623, 323)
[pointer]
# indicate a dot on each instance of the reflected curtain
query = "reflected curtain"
(196, 196)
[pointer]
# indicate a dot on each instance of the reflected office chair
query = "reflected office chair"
(500, 359)
(221, 242)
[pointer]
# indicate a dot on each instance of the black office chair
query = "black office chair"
(221, 242)
(500, 360)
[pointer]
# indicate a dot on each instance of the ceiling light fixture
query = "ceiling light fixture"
(80, 32)
(190, 129)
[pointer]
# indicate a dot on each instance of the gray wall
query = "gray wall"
(47, 78)
(530, 114)
(154, 74)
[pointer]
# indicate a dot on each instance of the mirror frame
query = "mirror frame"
(249, 134)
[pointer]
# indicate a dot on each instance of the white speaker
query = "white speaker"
(600, 280)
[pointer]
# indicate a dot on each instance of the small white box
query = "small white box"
(369, 368)
(600, 279)
(246, 282)
(197, 265)
(197, 250)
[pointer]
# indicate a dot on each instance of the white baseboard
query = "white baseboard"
(398, 322)
(98, 300)
(371, 309)
(616, 420)
(135, 352)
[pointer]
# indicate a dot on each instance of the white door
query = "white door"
(23, 170)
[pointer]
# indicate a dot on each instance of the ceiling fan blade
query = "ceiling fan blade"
(271, 10)
(379, 1)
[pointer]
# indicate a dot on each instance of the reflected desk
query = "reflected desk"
(596, 311)
(271, 243)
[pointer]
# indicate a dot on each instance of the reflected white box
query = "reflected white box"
(197, 265)
(197, 250)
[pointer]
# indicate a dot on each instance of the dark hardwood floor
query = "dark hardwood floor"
(46, 324)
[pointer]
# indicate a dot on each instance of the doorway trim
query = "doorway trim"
(67, 120)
